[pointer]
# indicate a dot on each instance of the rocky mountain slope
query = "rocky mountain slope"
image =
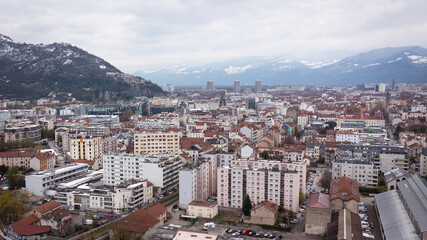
(404, 64)
(29, 71)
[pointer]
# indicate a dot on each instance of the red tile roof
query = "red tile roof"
(268, 205)
(156, 210)
(318, 200)
(26, 153)
(29, 230)
(345, 189)
(28, 220)
(44, 156)
(49, 206)
(138, 222)
(203, 204)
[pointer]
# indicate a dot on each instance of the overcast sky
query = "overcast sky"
(143, 34)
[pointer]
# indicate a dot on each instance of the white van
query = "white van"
(208, 225)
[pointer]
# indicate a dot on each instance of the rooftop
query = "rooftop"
(319, 200)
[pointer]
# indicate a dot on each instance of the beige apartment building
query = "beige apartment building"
(85, 147)
(277, 186)
(154, 141)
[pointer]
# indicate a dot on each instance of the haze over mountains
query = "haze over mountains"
(30, 71)
(404, 64)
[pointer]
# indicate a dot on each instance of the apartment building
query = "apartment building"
(161, 170)
(85, 147)
(347, 136)
(300, 167)
(39, 182)
(384, 157)
(129, 195)
(43, 161)
(17, 158)
(362, 170)
(156, 141)
(197, 182)
(277, 186)
(21, 131)
(348, 122)
(302, 121)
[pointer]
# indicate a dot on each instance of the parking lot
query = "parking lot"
(372, 217)
(174, 224)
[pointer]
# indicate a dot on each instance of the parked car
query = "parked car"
(363, 216)
(302, 210)
(371, 224)
(235, 234)
(252, 233)
(247, 231)
(294, 221)
(267, 235)
(259, 234)
(364, 224)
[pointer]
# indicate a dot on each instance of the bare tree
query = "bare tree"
(325, 180)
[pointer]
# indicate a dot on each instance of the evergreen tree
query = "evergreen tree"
(247, 206)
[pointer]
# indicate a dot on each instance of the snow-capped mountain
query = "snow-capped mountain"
(404, 64)
(35, 70)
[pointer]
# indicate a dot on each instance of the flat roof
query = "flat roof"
(394, 218)
(414, 193)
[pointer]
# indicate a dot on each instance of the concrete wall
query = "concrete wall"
(317, 220)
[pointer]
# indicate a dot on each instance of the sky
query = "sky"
(153, 34)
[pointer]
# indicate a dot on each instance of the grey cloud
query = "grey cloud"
(135, 34)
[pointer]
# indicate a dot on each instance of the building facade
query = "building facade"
(161, 170)
(153, 141)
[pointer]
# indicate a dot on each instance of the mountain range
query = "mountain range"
(30, 71)
(404, 64)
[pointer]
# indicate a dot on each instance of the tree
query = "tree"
(301, 198)
(325, 180)
(352, 109)
(119, 233)
(3, 169)
(11, 177)
(11, 209)
(126, 115)
(247, 206)
(264, 155)
(331, 125)
(397, 131)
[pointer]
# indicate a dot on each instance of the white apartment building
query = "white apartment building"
(389, 161)
(156, 141)
(277, 186)
(300, 167)
(39, 182)
(361, 170)
(161, 170)
(302, 121)
(129, 195)
(347, 136)
(197, 183)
